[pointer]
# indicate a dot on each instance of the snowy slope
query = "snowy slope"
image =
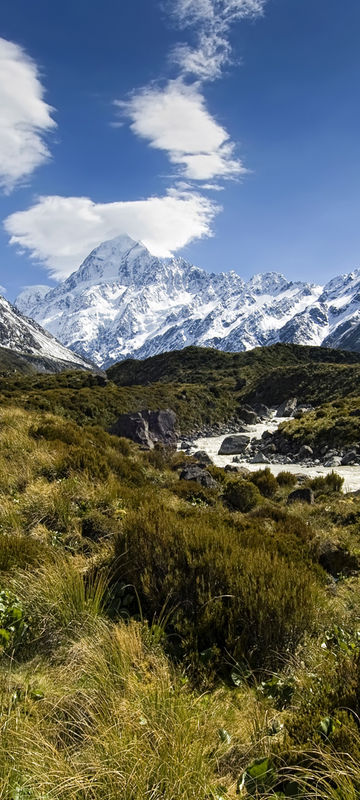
(122, 302)
(24, 336)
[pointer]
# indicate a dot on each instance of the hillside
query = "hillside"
(204, 387)
(160, 639)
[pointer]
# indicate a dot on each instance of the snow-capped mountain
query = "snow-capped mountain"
(123, 302)
(25, 337)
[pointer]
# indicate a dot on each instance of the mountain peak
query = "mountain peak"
(124, 302)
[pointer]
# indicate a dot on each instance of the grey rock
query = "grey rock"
(349, 459)
(246, 414)
(259, 458)
(305, 452)
(148, 428)
(203, 457)
(287, 408)
(333, 461)
(301, 496)
(202, 476)
(234, 445)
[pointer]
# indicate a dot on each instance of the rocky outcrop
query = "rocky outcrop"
(148, 428)
(234, 445)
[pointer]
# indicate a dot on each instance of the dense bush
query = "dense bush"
(241, 495)
(243, 600)
(286, 478)
(265, 482)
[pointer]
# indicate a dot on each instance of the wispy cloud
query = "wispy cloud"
(61, 231)
(24, 116)
(175, 119)
(212, 21)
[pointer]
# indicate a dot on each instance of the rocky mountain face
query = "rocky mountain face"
(25, 346)
(123, 302)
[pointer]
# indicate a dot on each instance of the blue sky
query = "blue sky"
(154, 102)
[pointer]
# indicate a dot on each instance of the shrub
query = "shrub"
(327, 483)
(286, 478)
(225, 595)
(241, 495)
(265, 481)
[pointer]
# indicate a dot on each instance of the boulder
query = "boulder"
(305, 452)
(246, 414)
(233, 445)
(287, 408)
(262, 410)
(350, 459)
(200, 475)
(333, 461)
(147, 428)
(259, 458)
(301, 496)
(202, 457)
(185, 445)
(336, 559)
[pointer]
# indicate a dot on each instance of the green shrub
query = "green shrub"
(12, 624)
(241, 495)
(233, 598)
(265, 482)
(327, 483)
(286, 478)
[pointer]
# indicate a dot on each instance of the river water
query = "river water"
(211, 445)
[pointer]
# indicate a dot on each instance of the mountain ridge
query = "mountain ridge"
(122, 302)
(25, 346)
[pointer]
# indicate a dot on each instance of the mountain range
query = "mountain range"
(124, 302)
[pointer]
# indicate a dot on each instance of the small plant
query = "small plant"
(12, 624)
(328, 483)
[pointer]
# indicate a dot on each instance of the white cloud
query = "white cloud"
(175, 119)
(61, 231)
(24, 117)
(212, 20)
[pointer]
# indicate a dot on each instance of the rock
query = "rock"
(269, 448)
(336, 560)
(300, 477)
(305, 452)
(246, 414)
(262, 410)
(200, 475)
(233, 445)
(287, 408)
(333, 461)
(147, 428)
(259, 458)
(266, 435)
(349, 459)
(232, 468)
(203, 457)
(301, 496)
(186, 445)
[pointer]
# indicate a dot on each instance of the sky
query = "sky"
(225, 131)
